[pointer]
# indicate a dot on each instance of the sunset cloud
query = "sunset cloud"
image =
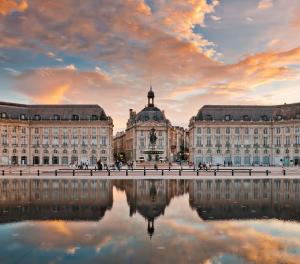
(265, 4)
(167, 43)
(8, 6)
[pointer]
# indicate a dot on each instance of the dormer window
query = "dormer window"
(3, 115)
(56, 117)
(94, 118)
(208, 118)
(227, 117)
(37, 117)
(279, 117)
(264, 118)
(75, 117)
(246, 118)
(22, 117)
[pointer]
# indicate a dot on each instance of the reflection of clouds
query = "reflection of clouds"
(183, 237)
(237, 238)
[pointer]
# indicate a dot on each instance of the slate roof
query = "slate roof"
(48, 112)
(151, 113)
(249, 112)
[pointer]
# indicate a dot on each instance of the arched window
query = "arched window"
(75, 117)
(65, 151)
(279, 117)
(22, 117)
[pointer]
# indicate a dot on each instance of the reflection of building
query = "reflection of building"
(137, 145)
(246, 135)
(150, 197)
(31, 199)
(54, 134)
(243, 199)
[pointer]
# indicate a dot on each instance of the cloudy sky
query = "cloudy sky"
(194, 52)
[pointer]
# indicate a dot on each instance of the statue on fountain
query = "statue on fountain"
(153, 137)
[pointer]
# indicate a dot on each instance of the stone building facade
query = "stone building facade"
(137, 133)
(54, 134)
(246, 135)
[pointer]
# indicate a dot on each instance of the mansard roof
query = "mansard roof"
(249, 112)
(52, 112)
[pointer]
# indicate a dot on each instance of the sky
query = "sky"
(193, 52)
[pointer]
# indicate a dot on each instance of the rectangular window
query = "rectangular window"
(94, 131)
(198, 141)
(36, 130)
(237, 130)
(247, 130)
(287, 130)
(278, 141)
(46, 140)
(94, 140)
(23, 130)
(199, 130)
(297, 130)
(208, 130)
(103, 141)
(277, 130)
(227, 130)
(265, 141)
(55, 140)
(14, 140)
(55, 131)
(287, 140)
(218, 130)
(297, 140)
(208, 141)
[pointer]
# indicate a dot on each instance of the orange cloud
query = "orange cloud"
(8, 6)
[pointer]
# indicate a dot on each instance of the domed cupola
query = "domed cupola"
(150, 97)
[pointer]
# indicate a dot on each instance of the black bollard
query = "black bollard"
(197, 172)
(249, 172)
(126, 172)
(108, 171)
(162, 172)
(144, 171)
(179, 172)
(267, 172)
(38, 172)
(169, 167)
(215, 173)
(3, 173)
(232, 172)
(284, 172)
(73, 173)
(91, 173)
(55, 172)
